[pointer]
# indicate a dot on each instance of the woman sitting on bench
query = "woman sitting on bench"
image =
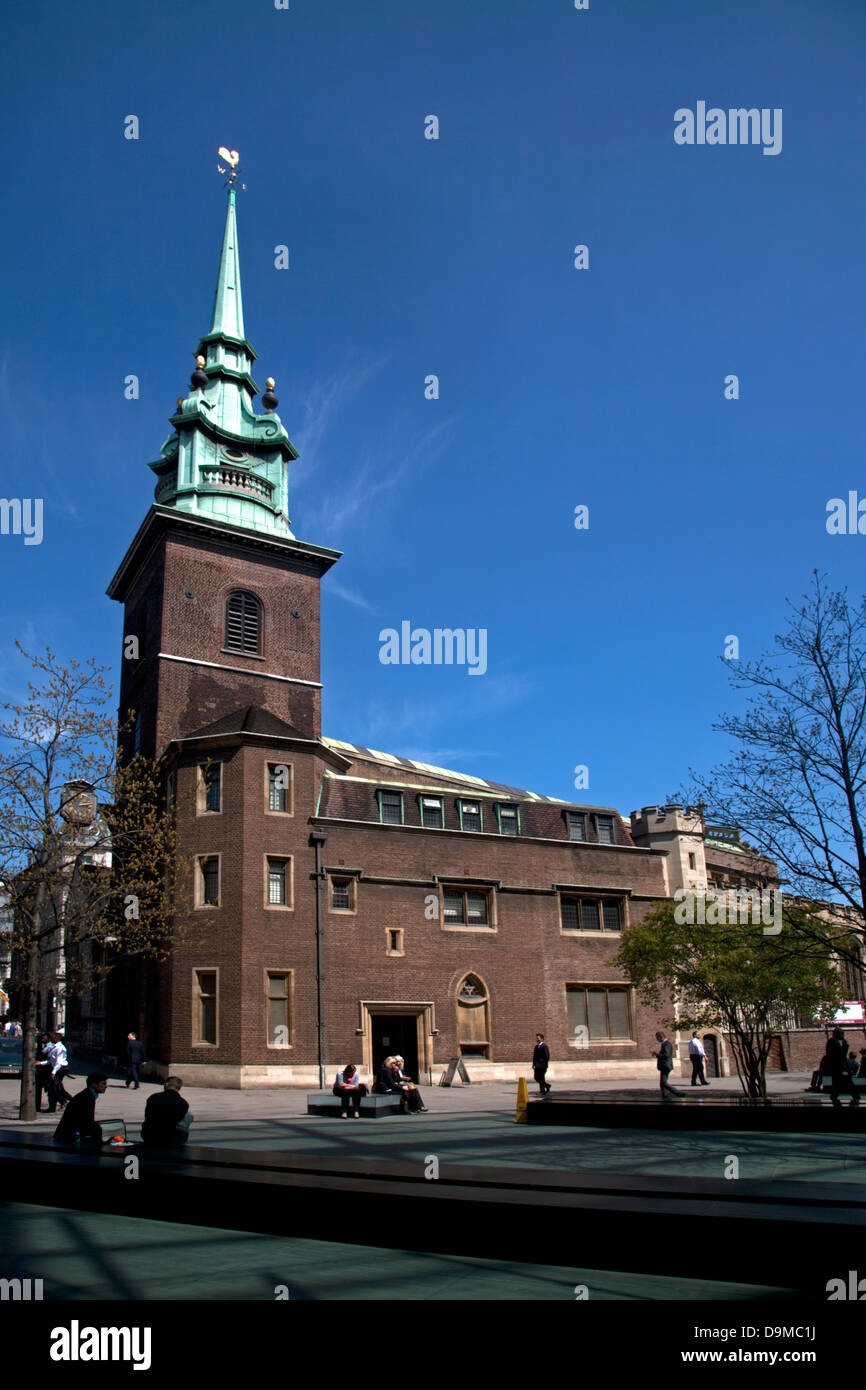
(415, 1101)
(349, 1087)
(389, 1081)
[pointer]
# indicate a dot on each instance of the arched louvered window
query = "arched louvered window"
(244, 623)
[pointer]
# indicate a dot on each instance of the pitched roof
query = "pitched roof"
(249, 720)
(371, 755)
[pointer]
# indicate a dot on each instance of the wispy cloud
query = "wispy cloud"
(445, 757)
(321, 402)
(333, 586)
(411, 719)
(374, 477)
(373, 472)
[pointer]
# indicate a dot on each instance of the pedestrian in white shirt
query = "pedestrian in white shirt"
(696, 1056)
(59, 1068)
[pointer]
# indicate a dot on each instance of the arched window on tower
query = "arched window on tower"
(473, 1017)
(243, 623)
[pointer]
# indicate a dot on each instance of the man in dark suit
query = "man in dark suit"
(540, 1063)
(163, 1113)
(665, 1063)
(840, 1078)
(79, 1116)
(134, 1058)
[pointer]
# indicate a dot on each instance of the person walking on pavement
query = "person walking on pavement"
(697, 1056)
(840, 1077)
(59, 1069)
(134, 1059)
(665, 1063)
(540, 1063)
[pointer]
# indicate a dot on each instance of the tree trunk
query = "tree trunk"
(27, 1101)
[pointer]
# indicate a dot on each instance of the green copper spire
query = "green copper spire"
(228, 309)
(224, 461)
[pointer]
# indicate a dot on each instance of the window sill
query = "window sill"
(249, 656)
(582, 931)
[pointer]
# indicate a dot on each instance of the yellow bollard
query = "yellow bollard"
(522, 1102)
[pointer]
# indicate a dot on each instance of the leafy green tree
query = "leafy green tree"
(730, 976)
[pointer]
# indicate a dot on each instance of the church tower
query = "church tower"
(221, 669)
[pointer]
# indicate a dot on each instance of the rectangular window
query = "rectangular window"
(279, 786)
(391, 808)
(341, 894)
(453, 907)
(432, 815)
(604, 1012)
(205, 1007)
(395, 941)
(576, 825)
(590, 919)
(590, 914)
(610, 913)
(277, 887)
(136, 734)
(211, 781)
(278, 1004)
(209, 870)
(604, 825)
(693, 862)
(476, 909)
(470, 815)
(469, 908)
(507, 820)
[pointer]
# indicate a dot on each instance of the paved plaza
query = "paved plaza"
(87, 1255)
(475, 1124)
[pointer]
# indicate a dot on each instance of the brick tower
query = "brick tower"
(221, 670)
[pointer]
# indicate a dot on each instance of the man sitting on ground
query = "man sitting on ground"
(164, 1112)
(79, 1116)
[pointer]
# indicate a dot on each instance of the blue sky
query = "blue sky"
(454, 256)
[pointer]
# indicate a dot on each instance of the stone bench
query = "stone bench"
(370, 1106)
(859, 1083)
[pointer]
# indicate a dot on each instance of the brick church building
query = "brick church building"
(346, 903)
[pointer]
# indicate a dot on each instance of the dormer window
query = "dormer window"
(604, 827)
(432, 817)
(243, 623)
(470, 815)
(390, 807)
(509, 821)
